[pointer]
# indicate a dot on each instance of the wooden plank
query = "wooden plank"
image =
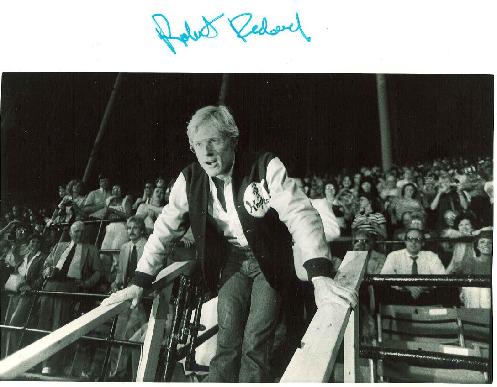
(169, 273)
(314, 360)
(154, 336)
(27, 357)
(351, 349)
(157, 321)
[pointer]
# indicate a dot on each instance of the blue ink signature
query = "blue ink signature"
(263, 28)
(239, 24)
(207, 31)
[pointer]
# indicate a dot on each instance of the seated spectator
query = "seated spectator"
(400, 233)
(317, 188)
(448, 230)
(129, 320)
(407, 202)
(19, 247)
(363, 241)
(118, 209)
(345, 185)
(150, 212)
(429, 189)
(71, 267)
(356, 184)
(389, 190)
(412, 260)
(369, 218)
(29, 272)
(480, 263)
(461, 250)
(16, 213)
(407, 178)
(368, 187)
(146, 197)
(72, 203)
(326, 208)
(450, 196)
(160, 182)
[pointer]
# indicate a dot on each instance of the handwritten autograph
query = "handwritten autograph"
(240, 24)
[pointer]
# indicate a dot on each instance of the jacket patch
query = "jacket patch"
(256, 199)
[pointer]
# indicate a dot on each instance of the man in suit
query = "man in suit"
(71, 267)
(129, 321)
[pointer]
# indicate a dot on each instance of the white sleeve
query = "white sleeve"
(330, 223)
(436, 266)
(389, 265)
(295, 210)
(170, 225)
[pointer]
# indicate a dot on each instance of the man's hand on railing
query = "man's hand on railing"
(132, 292)
(327, 290)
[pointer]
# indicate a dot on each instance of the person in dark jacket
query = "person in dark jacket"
(244, 212)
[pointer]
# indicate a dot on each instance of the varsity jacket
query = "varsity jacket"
(273, 213)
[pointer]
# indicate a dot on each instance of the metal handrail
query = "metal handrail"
(426, 358)
(472, 280)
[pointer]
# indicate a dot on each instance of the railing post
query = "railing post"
(154, 336)
(351, 349)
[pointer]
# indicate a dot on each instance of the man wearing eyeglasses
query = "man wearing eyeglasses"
(363, 241)
(413, 260)
(244, 212)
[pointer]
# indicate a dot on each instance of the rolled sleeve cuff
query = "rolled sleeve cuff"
(143, 280)
(319, 267)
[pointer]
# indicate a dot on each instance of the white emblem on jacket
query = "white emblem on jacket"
(256, 199)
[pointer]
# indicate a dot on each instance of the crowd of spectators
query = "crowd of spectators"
(446, 198)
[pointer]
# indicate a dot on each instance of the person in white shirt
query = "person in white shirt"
(244, 213)
(413, 260)
(95, 202)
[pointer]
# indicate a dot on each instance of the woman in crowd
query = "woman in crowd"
(480, 263)
(448, 230)
(369, 218)
(462, 250)
(356, 184)
(73, 201)
(389, 188)
(149, 212)
(118, 209)
(407, 202)
(345, 185)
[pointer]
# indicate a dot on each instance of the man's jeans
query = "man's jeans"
(247, 309)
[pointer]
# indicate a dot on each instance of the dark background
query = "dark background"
(49, 122)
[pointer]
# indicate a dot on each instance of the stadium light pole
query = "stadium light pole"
(386, 141)
(102, 129)
(223, 90)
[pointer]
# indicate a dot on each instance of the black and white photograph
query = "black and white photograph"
(246, 193)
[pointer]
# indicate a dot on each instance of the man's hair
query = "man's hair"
(138, 221)
(420, 232)
(217, 116)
